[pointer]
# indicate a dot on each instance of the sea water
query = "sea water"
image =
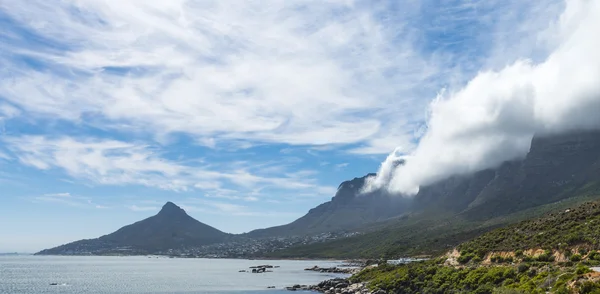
(35, 274)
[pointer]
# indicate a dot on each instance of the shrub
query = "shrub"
(464, 258)
(519, 253)
(507, 291)
(522, 268)
(581, 269)
(545, 257)
(576, 258)
(589, 287)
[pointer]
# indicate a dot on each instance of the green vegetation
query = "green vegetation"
(435, 277)
(579, 226)
(432, 233)
(528, 257)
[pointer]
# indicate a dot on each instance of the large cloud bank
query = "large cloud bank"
(494, 117)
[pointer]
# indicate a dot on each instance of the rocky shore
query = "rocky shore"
(339, 285)
(336, 286)
(335, 270)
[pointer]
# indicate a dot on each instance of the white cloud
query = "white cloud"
(8, 111)
(493, 118)
(341, 166)
(4, 156)
(68, 199)
(293, 72)
(112, 162)
(229, 209)
(250, 198)
(142, 208)
(59, 195)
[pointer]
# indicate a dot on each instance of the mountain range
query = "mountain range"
(558, 172)
(556, 168)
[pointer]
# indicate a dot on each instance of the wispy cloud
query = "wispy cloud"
(4, 156)
(292, 72)
(225, 208)
(68, 199)
(119, 163)
(142, 208)
(341, 166)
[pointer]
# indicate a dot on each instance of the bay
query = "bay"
(139, 274)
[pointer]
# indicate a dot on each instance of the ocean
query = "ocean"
(96, 274)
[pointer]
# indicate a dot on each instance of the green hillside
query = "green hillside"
(550, 254)
(578, 226)
(425, 234)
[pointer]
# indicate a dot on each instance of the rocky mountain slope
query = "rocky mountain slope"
(556, 167)
(171, 228)
(347, 210)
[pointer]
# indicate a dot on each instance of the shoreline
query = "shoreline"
(186, 257)
(337, 285)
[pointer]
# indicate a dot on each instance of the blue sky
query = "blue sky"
(245, 113)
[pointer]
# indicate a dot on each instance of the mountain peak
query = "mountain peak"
(171, 208)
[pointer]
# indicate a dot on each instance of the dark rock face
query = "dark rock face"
(347, 210)
(171, 228)
(557, 167)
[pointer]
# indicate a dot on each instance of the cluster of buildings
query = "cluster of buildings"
(248, 248)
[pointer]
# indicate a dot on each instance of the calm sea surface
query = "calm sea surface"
(34, 274)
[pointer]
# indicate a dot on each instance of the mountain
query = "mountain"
(171, 228)
(558, 170)
(347, 210)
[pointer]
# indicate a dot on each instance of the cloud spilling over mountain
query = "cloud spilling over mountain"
(493, 118)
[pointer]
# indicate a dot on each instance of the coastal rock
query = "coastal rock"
(334, 270)
(334, 286)
(263, 266)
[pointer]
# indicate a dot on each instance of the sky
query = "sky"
(249, 113)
